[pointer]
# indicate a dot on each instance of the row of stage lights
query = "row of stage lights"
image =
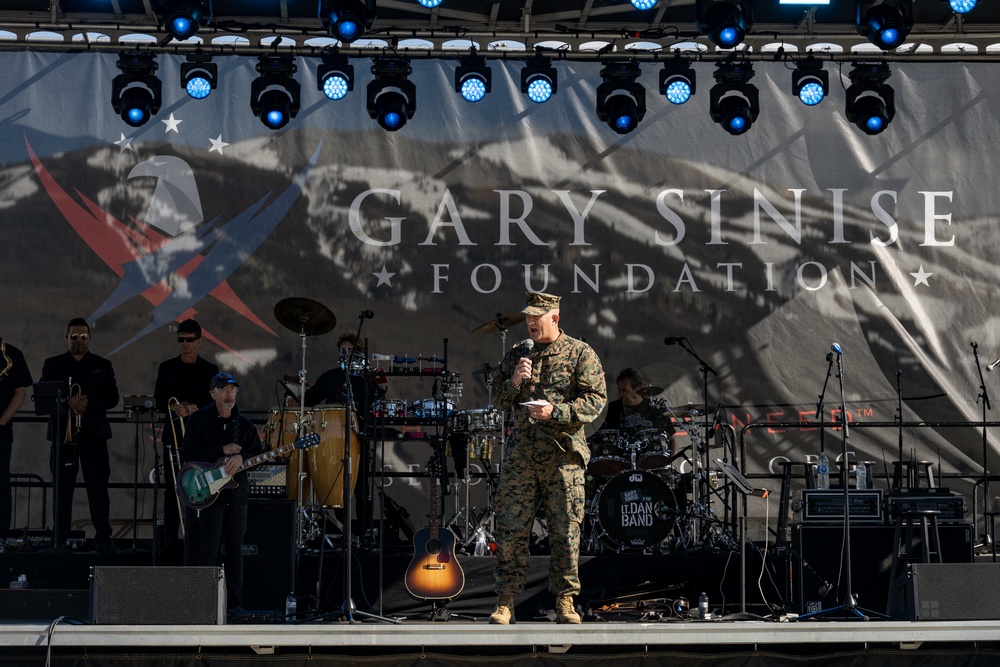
(391, 99)
(275, 95)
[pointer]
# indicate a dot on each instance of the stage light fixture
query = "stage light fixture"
(392, 97)
(182, 19)
(733, 102)
(473, 78)
(621, 102)
(136, 93)
(346, 20)
(275, 94)
(335, 76)
(199, 75)
(810, 82)
(677, 81)
(871, 102)
(430, 4)
(725, 22)
(643, 5)
(884, 23)
(538, 79)
(962, 6)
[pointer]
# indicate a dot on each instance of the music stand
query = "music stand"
(50, 401)
(142, 410)
(745, 488)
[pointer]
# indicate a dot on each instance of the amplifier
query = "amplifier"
(268, 481)
(827, 505)
(951, 505)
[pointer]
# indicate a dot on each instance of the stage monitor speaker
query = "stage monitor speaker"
(158, 596)
(268, 554)
(816, 560)
(948, 592)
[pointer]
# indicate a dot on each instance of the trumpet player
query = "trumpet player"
(181, 390)
(14, 380)
(81, 432)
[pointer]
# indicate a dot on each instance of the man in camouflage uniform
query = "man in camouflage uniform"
(545, 455)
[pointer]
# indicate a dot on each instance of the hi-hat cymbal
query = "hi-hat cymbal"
(650, 390)
(305, 316)
(500, 323)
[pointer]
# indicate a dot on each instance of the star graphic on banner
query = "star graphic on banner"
(384, 277)
(921, 276)
(172, 124)
(125, 143)
(217, 144)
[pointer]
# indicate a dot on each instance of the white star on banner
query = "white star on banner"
(172, 124)
(217, 144)
(921, 276)
(124, 143)
(384, 277)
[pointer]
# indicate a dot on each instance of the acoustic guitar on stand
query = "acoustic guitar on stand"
(434, 573)
(199, 484)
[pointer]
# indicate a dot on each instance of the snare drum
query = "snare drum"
(634, 511)
(432, 408)
(652, 449)
(389, 408)
(283, 429)
(326, 461)
(608, 453)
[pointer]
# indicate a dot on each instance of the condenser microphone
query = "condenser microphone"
(836, 348)
(993, 365)
(366, 314)
(672, 340)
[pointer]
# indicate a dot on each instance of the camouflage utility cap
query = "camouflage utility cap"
(540, 303)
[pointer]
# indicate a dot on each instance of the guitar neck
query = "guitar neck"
(266, 456)
(434, 517)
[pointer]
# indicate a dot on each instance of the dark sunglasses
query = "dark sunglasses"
(78, 336)
(182, 339)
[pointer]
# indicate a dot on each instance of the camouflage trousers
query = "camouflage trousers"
(539, 476)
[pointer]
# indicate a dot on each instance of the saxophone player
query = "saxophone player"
(14, 380)
(80, 439)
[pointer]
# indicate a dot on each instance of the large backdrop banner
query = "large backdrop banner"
(761, 250)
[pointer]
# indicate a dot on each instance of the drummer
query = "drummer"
(634, 411)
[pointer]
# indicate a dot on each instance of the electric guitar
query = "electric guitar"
(434, 573)
(199, 484)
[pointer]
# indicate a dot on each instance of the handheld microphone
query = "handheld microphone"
(673, 340)
(366, 314)
(526, 345)
(993, 365)
(147, 404)
(836, 348)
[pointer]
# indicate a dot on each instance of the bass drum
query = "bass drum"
(326, 461)
(283, 429)
(634, 511)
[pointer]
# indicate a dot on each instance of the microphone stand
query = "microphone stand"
(983, 394)
(848, 606)
(702, 496)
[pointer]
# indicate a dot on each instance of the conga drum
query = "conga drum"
(283, 429)
(326, 461)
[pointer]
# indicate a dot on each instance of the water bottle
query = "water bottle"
(861, 475)
(823, 471)
(291, 606)
(703, 606)
(481, 549)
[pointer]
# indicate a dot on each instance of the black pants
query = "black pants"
(91, 456)
(223, 524)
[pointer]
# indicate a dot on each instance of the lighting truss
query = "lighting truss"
(275, 94)
(136, 93)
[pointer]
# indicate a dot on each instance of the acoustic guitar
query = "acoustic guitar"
(199, 484)
(434, 573)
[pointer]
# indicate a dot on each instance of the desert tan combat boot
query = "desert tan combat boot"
(565, 612)
(504, 614)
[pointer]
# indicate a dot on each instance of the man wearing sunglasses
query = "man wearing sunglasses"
(185, 379)
(80, 438)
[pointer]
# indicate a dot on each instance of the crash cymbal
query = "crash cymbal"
(500, 323)
(305, 316)
(650, 390)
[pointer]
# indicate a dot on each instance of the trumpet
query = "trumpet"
(75, 421)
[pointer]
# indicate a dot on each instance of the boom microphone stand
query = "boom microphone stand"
(848, 606)
(987, 509)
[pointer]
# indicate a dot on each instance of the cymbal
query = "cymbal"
(692, 409)
(485, 369)
(305, 316)
(650, 390)
(500, 323)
